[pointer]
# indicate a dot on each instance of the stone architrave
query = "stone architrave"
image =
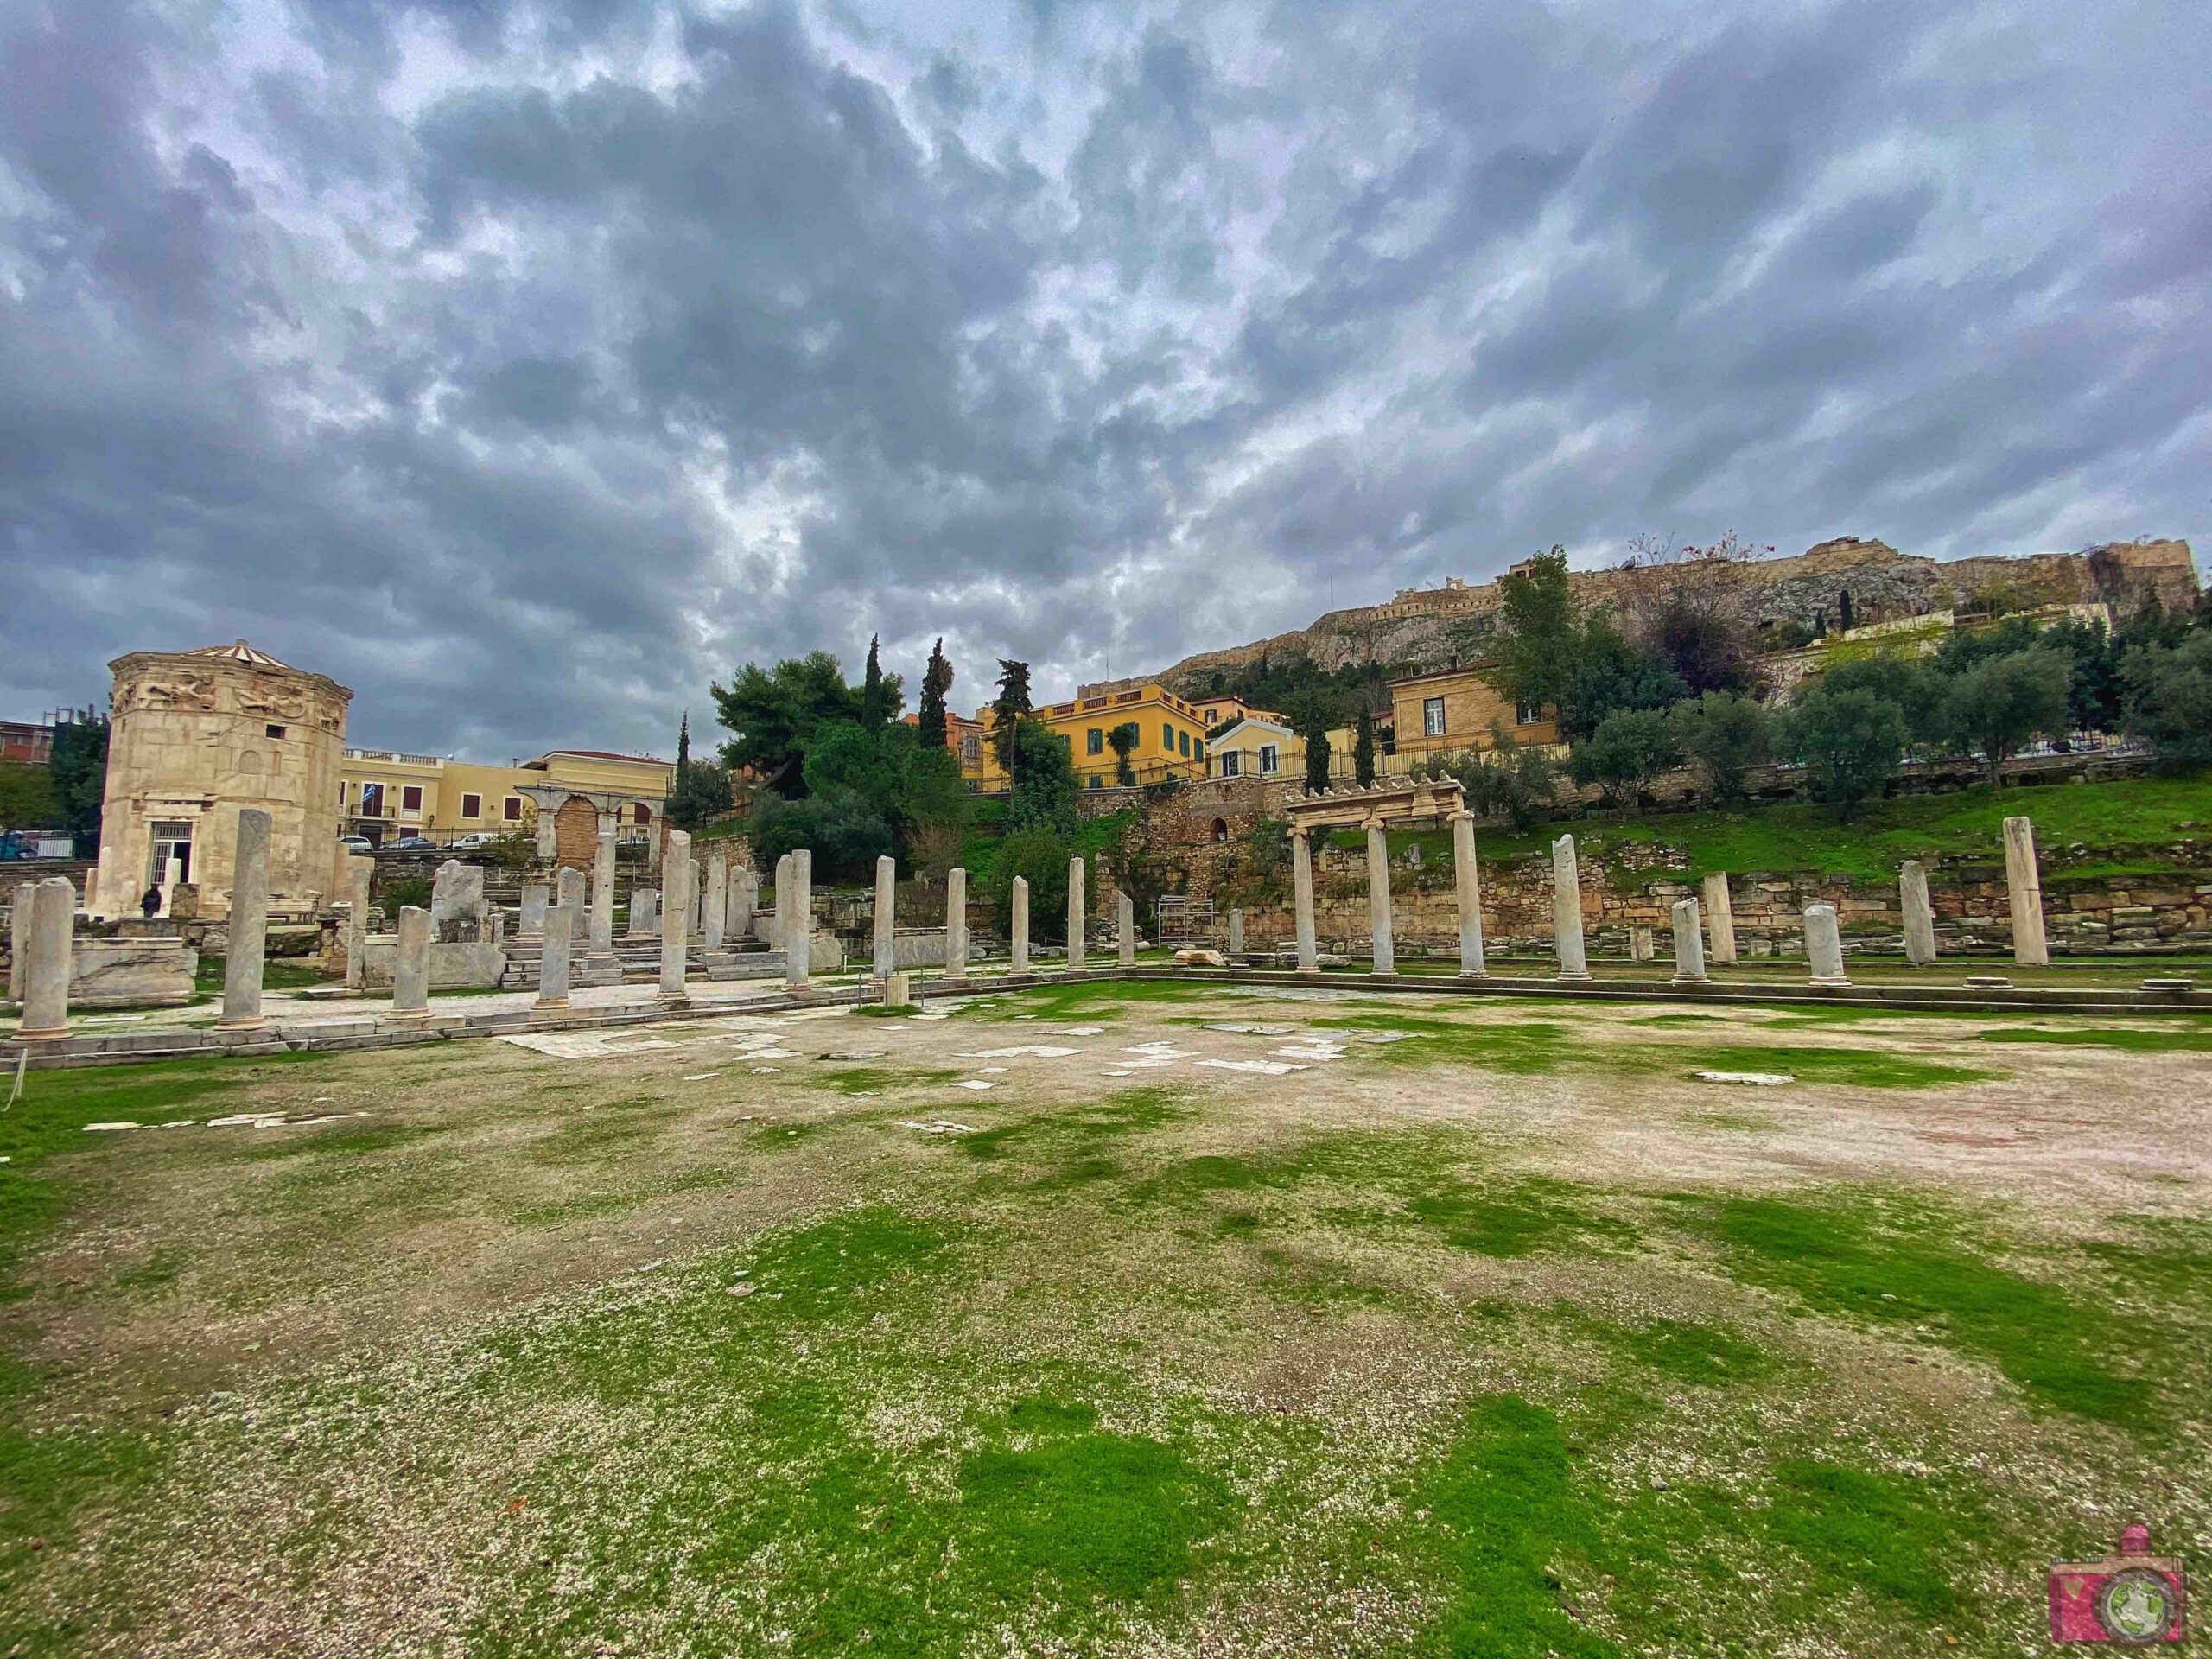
(886, 917)
(644, 913)
(569, 888)
(536, 900)
(779, 928)
(1301, 878)
(602, 890)
(560, 923)
(47, 951)
(798, 932)
(1020, 964)
(1919, 912)
(1720, 920)
(410, 970)
(1078, 912)
(1125, 931)
(359, 871)
(744, 894)
(1824, 945)
(1639, 942)
(1378, 899)
(1689, 945)
(1236, 932)
(2024, 885)
(677, 873)
(1566, 911)
(714, 904)
(1466, 874)
(248, 941)
(955, 923)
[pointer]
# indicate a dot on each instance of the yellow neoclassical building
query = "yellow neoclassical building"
(1170, 740)
(385, 795)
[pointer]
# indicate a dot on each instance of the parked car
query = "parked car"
(357, 843)
(475, 838)
(414, 844)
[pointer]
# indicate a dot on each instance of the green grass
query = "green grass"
(2149, 1039)
(1863, 1068)
(1878, 1532)
(277, 974)
(879, 1079)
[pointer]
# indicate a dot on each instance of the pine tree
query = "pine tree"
(937, 680)
(875, 701)
(684, 746)
(1008, 709)
(1363, 751)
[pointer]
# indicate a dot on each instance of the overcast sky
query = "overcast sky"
(527, 367)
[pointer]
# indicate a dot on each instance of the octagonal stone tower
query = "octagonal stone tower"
(198, 735)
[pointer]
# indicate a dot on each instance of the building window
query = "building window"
(1096, 781)
(274, 731)
(512, 809)
(1432, 716)
(471, 806)
(1269, 758)
(1185, 738)
(1166, 737)
(971, 748)
(1230, 760)
(642, 814)
(1199, 749)
(1528, 714)
(411, 797)
(341, 794)
(1094, 742)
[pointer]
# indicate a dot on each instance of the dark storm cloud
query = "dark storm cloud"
(527, 365)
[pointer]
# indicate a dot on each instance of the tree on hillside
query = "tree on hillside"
(1909, 684)
(1690, 606)
(772, 713)
(879, 697)
(1629, 749)
(78, 769)
(2000, 705)
(1513, 783)
(699, 796)
(1317, 761)
(846, 834)
(1363, 749)
(1607, 674)
(28, 800)
(1724, 736)
(683, 745)
(2168, 691)
(1122, 740)
(1851, 743)
(1312, 712)
(1042, 765)
(937, 680)
(1538, 637)
(1039, 855)
(1008, 709)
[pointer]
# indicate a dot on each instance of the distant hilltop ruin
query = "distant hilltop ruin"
(1846, 582)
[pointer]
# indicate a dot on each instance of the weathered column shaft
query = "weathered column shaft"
(744, 893)
(1720, 921)
(1019, 904)
(1125, 931)
(1824, 945)
(1689, 945)
(569, 888)
(780, 927)
(1301, 878)
(2023, 885)
(677, 875)
(548, 835)
(1236, 932)
(1919, 912)
(714, 904)
(955, 923)
(1378, 900)
(536, 899)
(886, 917)
(1466, 874)
(553, 964)
(798, 933)
(602, 891)
(1566, 911)
(359, 874)
(47, 950)
(247, 940)
(411, 966)
(1078, 912)
(644, 913)
(1639, 942)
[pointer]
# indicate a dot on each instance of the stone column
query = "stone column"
(1378, 898)
(536, 899)
(569, 887)
(411, 966)
(1919, 914)
(359, 870)
(2023, 882)
(1301, 878)
(47, 949)
(249, 925)
(1236, 932)
(553, 966)
(548, 840)
(644, 913)
(779, 932)
(602, 890)
(1566, 911)
(1824, 945)
(1467, 876)
(1021, 905)
(714, 904)
(1689, 947)
(1079, 913)
(1639, 942)
(798, 932)
(676, 876)
(19, 938)
(886, 917)
(1125, 931)
(955, 923)
(1721, 921)
(744, 893)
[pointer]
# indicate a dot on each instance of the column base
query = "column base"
(673, 1002)
(1832, 984)
(1578, 978)
(1692, 979)
(548, 1005)
(1474, 973)
(258, 1022)
(407, 1017)
(49, 1034)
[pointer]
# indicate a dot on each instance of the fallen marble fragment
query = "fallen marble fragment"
(1043, 1051)
(975, 1083)
(98, 1128)
(1749, 1079)
(1267, 1068)
(939, 1126)
(1250, 1031)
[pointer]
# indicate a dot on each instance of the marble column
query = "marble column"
(714, 904)
(602, 890)
(411, 966)
(1919, 914)
(1079, 913)
(676, 876)
(1824, 945)
(1720, 921)
(19, 938)
(886, 917)
(1021, 905)
(536, 899)
(47, 949)
(955, 923)
(1639, 942)
(1566, 911)
(1466, 873)
(1378, 899)
(2024, 884)
(549, 838)
(1125, 931)
(247, 941)
(569, 888)
(1236, 932)
(644, 913)
(560, 923)
(1689, 946)
(1302, 880)
(744, 894)
(359, 871)
(780, 926)
(798, 932)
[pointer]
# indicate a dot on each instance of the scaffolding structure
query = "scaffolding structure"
(1179, 919)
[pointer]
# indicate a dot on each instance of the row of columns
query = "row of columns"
(886, 936)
